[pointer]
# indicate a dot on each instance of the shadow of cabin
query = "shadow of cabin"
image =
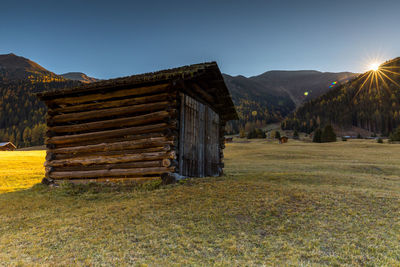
(7, 146)
(168, 124)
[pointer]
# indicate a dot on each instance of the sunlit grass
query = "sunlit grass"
(20, 169)
(295, 204)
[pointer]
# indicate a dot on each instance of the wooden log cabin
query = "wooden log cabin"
(7, 146)
(168, 124)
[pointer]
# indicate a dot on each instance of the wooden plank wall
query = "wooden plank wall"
(199, 153)
(127, 133)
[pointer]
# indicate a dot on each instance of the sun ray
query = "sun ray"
(390, 79)
(371, 82)
(396, 73)
(366, 79)
(386, 86)
(390, 67)
(377, 82)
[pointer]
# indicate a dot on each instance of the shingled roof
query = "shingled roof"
(208, 73)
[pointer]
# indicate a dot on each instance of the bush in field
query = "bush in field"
(277, 135)
(379, 141)
(395, 136)
(317, 136)
(256, 133)
(328, 134)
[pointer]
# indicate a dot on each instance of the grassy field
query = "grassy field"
(20, 169)
(292, 204)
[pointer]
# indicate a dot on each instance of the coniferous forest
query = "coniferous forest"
(22, 115)
(371, 101)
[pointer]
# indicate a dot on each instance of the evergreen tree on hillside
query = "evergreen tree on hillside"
(277, 135)
(317, 136)
(295, 135)
(328, 134)
(395, 136)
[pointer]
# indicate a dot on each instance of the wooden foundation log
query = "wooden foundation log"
(113, 103)
(109, 173)
(107, 95)
(135, 144)
(106, 124)
(68, 139)
(96, 114)
(91, 160)
(107, 180)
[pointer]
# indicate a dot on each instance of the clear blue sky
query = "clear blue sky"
(107, 39)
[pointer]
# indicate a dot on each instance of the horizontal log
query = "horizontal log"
(125, 180)
(140, 143)
(107, 134)
(110, 104)
(96, 114)
(90, 160)
(122, 122)
(108, 95)
(128, 165)
(109, 173)
(112, 140)
(111, 153)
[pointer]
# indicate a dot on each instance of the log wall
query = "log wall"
(121, 134)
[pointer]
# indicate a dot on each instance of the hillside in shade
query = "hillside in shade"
(371, 101)
(273, 95)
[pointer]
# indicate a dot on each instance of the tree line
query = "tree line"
(22, 114)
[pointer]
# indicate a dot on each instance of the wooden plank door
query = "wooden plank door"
(198, 140)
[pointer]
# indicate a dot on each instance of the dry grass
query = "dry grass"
(292, 204)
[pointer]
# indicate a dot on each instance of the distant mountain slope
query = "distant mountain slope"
(79, 76)
(13, 67)
(273, 95)
(22, 115)
(370, 101)
(297, 83)
(256, 101)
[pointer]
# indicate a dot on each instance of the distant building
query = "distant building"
(7, 146)
(283, 140)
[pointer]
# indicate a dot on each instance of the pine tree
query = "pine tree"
(395, 136)
(317, 136)
(277, 135)
(295, 135)
(328, 134)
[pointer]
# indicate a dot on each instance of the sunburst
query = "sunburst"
(377, 77)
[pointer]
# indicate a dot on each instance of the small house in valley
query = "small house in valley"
(7, 146)
(168, 124)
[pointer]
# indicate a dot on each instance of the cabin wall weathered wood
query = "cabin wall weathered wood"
(122, 134)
